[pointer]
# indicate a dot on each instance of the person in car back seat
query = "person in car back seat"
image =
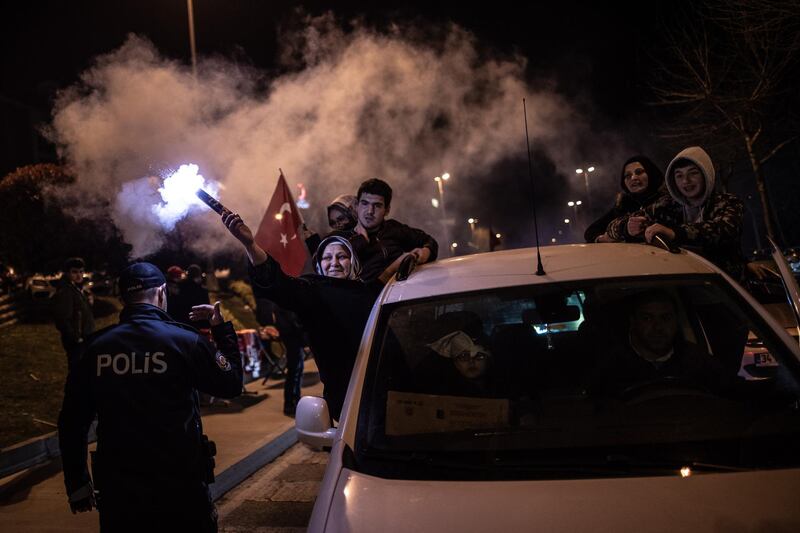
(460, 362)
(656, 350)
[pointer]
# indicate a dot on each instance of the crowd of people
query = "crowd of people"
(154, 362)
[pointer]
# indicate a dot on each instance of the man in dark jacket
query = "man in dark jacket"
(141, 379)
(656, 350)
(72, 310)
(190, 293)
(378, 242)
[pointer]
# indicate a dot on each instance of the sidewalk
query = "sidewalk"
(249, 432)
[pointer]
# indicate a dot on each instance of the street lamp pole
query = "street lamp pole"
(586, 182)
(574, 205)
(440, 182)
(190, 9)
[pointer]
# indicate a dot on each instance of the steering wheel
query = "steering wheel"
(663, 387)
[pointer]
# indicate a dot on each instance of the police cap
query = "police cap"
(140, 276)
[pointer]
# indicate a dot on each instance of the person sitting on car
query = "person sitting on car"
(379, 241)
(333, 304)
(642, 183)
(656, 350)
(693, 214)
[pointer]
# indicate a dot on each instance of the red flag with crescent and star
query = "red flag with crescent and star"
(280, 233)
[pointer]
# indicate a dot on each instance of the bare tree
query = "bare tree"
(726, 76)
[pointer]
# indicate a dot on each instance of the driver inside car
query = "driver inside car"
(656, 351)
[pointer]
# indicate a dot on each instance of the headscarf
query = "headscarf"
(346, 203)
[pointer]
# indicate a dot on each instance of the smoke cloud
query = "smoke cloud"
(359, 104)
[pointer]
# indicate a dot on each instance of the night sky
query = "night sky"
(595, 54)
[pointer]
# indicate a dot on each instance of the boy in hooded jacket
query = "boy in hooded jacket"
(693, 215)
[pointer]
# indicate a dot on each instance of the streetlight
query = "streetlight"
(190, 10)
(586, 181)
(440, 183)
(574, 205)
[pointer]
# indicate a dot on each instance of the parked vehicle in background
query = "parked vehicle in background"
(41, 286)
(534, 438)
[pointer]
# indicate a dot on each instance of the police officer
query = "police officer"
(141, 379)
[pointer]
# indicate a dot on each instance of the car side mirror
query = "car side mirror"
(313, 422)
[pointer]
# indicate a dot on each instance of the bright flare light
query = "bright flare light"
(686, 471)
(434, 202)
(570, 203)
(445, 176)
(178, 194)
(566, 221)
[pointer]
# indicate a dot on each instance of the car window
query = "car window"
(663, 370)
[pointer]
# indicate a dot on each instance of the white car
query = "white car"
(41, 287)
(539, 439)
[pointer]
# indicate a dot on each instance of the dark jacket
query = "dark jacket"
(622, 368)
(141, 378)
(189, 294)
(627, 202)
(333, 311)
(72, 314)
(388, 243)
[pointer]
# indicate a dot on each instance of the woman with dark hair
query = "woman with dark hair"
(642, 183)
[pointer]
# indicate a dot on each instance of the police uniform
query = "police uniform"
(141, 379)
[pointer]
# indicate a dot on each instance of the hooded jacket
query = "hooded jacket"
(628, 202)
(346, 203)
(710, 226)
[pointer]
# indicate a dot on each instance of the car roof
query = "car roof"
(574, 262)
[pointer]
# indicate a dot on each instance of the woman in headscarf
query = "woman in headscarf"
(642, 183)
(332, 304)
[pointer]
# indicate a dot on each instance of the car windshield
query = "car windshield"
(602, 377)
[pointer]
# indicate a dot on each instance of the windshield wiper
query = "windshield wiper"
(635, 462)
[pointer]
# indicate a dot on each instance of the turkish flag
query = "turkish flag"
(280, 232)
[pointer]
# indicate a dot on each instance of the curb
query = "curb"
(245, 467)
(39, 450)
(33, 451)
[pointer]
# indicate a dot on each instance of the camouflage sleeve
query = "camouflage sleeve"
(723, 223)
(617, 229)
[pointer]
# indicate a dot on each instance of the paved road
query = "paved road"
(277, 498)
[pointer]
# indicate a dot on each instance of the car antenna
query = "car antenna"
(539, 267)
